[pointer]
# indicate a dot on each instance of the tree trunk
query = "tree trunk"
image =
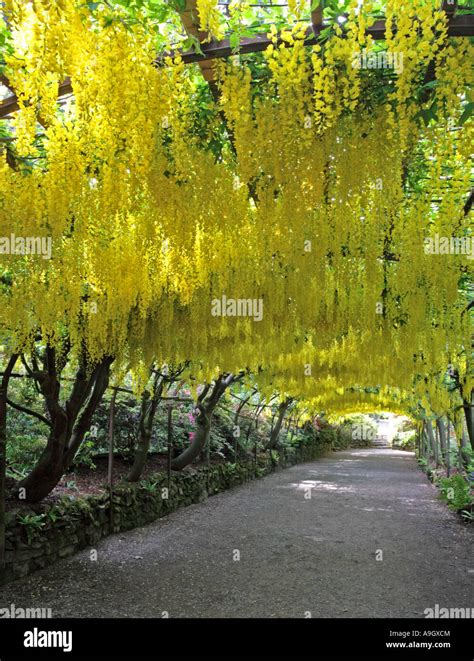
(275, 433)
(141, 455)
(147, 415)
(433, 444)
(49, 468)
(205, 407)
(464, 449)
(468, 412)
(3, 457)
(442, 438)
(448, 445)
(149, 406)
(293, 431)
(419, 439)
(203, 427)
(69, 426)
(426, 444)
(236, 422)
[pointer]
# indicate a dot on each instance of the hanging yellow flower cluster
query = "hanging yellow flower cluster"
(420, 37)
(210, 18)
(307, 250)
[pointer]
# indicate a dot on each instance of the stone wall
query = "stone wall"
(39, 537)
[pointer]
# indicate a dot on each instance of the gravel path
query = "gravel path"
(297, 554)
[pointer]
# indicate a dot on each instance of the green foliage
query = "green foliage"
(467, 113)
(31, 524)
(85, 454)
(22, 454)
(328, 435)
(468, 516)
(468, 456)
(406, 425)
(221, 438)
(149, 485)
(405, 440)
(343, 438)
(26, 435)
(456, 492)
(358, 430)
(275, 457)
(5, 41)
(127, 413)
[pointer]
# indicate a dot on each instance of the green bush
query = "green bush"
(22, 454)
(456, 492)
(343, 438)
(358, 430)
(406, 440)
(85, 454)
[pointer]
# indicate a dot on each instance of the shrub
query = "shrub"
(22, 454)
(456, 492)
(406, 440)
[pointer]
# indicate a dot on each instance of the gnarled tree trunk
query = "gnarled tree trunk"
(150, 403)
(149, 406)
(205, 408)
(69, 424)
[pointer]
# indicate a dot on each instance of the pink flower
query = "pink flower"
(191, 418)
(192, 434)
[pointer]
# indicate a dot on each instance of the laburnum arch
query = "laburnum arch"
(172, 164)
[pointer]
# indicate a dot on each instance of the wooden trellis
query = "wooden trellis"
(458, 26)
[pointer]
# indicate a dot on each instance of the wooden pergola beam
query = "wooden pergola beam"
(189, 19)
(459, 26)
(11, 104)
(317, 16)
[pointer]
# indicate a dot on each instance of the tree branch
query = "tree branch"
(23, 409)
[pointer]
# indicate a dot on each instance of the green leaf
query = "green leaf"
(191, 43)
(180, 4)
(430, 85)
(468, 112)
(234, 40)
(429, 114)
(326, 33)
